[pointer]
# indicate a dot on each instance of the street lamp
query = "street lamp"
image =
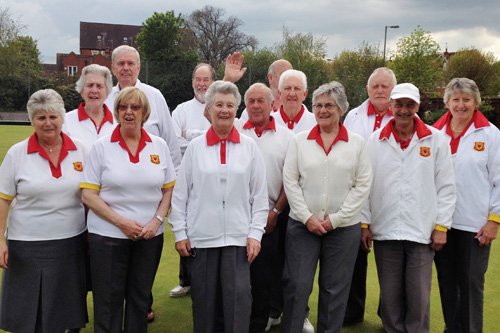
(385, 37)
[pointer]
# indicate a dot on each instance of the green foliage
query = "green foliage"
(418, 60)
(70, 96)
(482, 67)
(353, 68)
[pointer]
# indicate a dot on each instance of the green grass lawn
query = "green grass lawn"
(174, 314)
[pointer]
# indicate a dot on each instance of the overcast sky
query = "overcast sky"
(455, 24)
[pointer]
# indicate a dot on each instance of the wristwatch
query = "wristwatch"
(276, 211)
(161, 219)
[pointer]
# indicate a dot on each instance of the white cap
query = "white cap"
(406, 90)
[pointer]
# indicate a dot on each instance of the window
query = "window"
(125, 39)
(94, 53)
(72, 70)
(99, 37)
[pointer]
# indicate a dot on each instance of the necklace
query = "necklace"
(454, 130)
(51, 149)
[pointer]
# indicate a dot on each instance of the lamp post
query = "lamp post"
(385, 37)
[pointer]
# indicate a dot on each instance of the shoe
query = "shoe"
(151, 316)
(272, 322)
(179, 291)
(308, 327)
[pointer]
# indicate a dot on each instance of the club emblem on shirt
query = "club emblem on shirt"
(155, 159)
(479, 146)
(78, 166)
(425, 151)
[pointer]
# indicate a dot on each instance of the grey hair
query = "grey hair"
(462, 84)
(127, 48)
(202, 64)
(270, 96)
(383, 69)
(334, 90)
(222, 87)
(47, 100)
(293, 73)
(96, 69)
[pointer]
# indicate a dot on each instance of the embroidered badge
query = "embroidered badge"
(425, 151)
(78, 166)
(155, 159)
(479, 146)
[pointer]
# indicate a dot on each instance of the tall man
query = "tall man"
(411, 204)
(366, 118)
(126, 65)
(273, 143)
(273, 76)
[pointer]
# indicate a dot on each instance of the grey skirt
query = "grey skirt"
(43, 288)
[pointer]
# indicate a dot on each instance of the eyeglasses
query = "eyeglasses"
(409, 105)
(328, 106)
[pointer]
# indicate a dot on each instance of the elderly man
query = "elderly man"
(292, 90)
(273, 143)
(411, 204)
(364, 120)
(126, 65)
(273, 76)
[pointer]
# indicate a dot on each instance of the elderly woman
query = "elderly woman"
(43, 285)
(219, 211)
(127, 186)
(92, 119)
(327, 177)
(462, 263)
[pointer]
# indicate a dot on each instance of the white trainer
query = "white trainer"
(308, 327)
(272, 322)
(179, 291)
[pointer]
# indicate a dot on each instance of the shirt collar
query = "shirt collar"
(213, 138)
(371, 110)
(34, 146)
(420, 128)
(82, 115)
(270, 126)
(478, 119)
(296, 119)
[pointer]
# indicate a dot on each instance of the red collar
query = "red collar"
(316, 135)
(371, 110)
(116, 136)
(213, 138)
(295, 120)
(82, 115)
(478, 119)
(270, 126)
(420, 128)
(67, 145)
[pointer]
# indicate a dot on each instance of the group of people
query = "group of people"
(254, 203)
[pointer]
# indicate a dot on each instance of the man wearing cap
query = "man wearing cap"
(373, 114)
(411, 204)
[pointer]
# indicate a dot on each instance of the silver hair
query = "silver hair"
(270, 96)
(202, 64)
(293, 73)
(334, 90)
(462, 84)
(127, 48)
(46, 100)
(384, 69)
(222, 87)
(96, 69)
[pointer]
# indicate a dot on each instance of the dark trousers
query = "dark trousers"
(122, 270)
(461, 266)
(276, 298)
(336, 252)
(261, 272)
(184, 272)
(220, 290)
(355, 311)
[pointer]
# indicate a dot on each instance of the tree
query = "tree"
(418, 60)
(215, 37)
(169, 57)
(10, 29)
(353, 68)
(475, 65)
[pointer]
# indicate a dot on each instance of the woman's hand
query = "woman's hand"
(327, 223)
(313, 224)
(4, 254)
(150, 229)
(487, 233)
(183, 247)
(253, 249)
(132, 229)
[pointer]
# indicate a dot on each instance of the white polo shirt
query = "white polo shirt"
(47, 203)
(273, 144)
(189, 117)
(159, 123)
(132, 188)
(305, 122)
(78, 124)
(364, 121)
